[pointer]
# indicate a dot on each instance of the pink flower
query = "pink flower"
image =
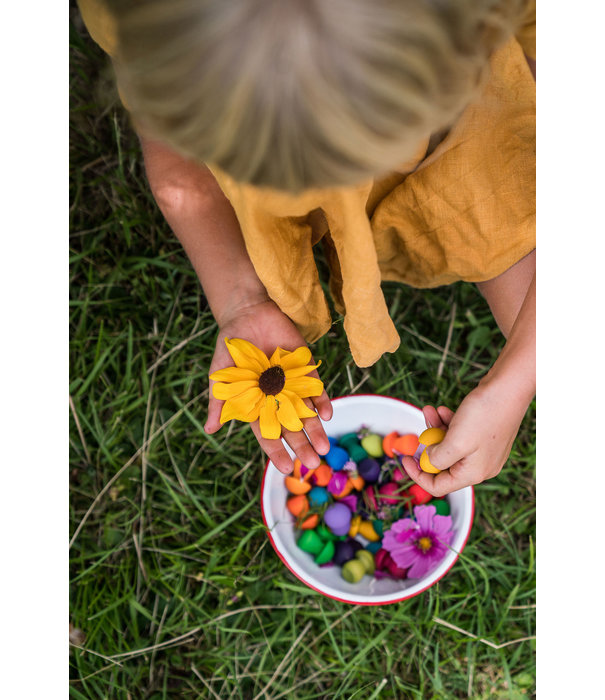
(418, 545)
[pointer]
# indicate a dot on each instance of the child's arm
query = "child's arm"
(204, 222)
(481, 432)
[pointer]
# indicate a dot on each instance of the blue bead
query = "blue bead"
(337, 457)
(318, 495)
(374, 546)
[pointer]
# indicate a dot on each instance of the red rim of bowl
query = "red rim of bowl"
(346, 600)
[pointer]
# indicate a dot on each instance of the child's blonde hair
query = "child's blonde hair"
(295, 94)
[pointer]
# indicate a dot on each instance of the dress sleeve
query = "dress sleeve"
(99, 23)
(526, 32)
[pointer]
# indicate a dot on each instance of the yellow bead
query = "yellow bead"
(355, 522)
(353, 571)
(431, 436)
(366, 529)
(367, 559)
(425, 464)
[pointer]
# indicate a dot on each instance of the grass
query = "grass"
(174, 585)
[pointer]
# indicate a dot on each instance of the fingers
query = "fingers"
(323, 406)
(213, 422)
(316, 435)
(275, 451)
(437, 485)
(437, 417)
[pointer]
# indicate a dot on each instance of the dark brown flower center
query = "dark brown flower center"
(272, 381)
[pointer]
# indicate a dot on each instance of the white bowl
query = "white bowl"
(382, 415)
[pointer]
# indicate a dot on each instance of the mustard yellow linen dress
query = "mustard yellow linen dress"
(464, 212)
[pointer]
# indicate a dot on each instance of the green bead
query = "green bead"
(378, 526)
(441, 505)
(374, 546)
(372, 444)
(325, 533)
(367, 559)
(353, 571)
(348, 440)
(310, 542)
(326, 554)
(357, 453)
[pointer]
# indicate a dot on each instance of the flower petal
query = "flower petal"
(228, 391)
(233, 374)
(244, 407)
(247, 355)
(270, 427)
(442, 524)
(276, 357)
(301, 408)
(420, 567)
(305, 386)
(300, 371)
(405, 556)
(298, 358)
(286, 414)
(424, 516)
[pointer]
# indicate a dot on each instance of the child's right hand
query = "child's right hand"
(265, 325)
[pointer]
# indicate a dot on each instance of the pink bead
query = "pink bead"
(371, 496)
(399, 474)
(388, 492)
(394, 570)
(380, 558)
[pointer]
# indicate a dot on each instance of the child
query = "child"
(399, 133)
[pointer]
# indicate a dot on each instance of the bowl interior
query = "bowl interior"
(382, 415)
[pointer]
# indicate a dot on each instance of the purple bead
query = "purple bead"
(338, 518)
(337, 483)
(355, 544)
(343, 552)
(350, 501)
(369, 470)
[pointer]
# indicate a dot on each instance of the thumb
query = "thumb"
(445, 454)
(213, 422)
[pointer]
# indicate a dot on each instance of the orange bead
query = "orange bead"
(297, 486)
(405, 444)
(358, 482)
(297, 466)
(298, 505)
(348, 487)
(311, 522)
(387, 443)
(323, 474)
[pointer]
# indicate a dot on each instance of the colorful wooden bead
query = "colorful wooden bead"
(322, 475)
(431, 436)
(366, 529)
(338, 518)
(387, 443)
(372, 444)
(298, 505)
(426, 465)
(441, 506)
(405, 444)
(389, 493)
(297, 486)
(337, 457)
(310, 522)
(326, 554)
(310, 542)
(318, 495)
(369, 470)
(419, 495)
(354, 526)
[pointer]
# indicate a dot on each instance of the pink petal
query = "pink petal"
(420, 567)
(441, 525)
(424, 516)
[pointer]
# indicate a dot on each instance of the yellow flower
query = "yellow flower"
(268, 389)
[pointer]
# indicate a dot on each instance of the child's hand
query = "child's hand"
(478, 441)
(267, 327)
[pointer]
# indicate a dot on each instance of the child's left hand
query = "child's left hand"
(478, 441)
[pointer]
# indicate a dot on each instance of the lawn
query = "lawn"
(175, 590)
